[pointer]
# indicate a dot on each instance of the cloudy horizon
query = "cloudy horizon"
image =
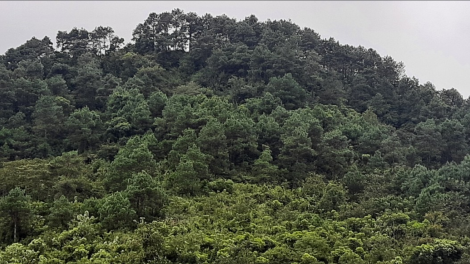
(430, 38)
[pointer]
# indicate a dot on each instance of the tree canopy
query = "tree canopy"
(207, 139)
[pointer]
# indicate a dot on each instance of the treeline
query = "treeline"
(212, 140)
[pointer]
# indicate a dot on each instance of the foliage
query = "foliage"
(212, 140)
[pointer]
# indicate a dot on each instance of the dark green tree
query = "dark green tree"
(116, 212)
(334, 155)
(263, 169)
(134, 157)
(128, 112)
(48, 117)
(454, 144)
(61, 213)
(84, 129)
(292, 95)
(428, 142)
(241, 140)
(190, 173)
(16, 212)
(146, 196)
(212, 141)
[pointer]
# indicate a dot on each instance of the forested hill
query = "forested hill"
(211, 140)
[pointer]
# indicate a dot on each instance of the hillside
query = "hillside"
(212, 140)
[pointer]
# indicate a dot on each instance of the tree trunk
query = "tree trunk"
(14, 232)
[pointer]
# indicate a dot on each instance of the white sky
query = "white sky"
(431, 38)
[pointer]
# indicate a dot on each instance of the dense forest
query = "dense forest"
(211, 140)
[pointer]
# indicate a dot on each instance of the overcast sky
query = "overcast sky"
(431, 38)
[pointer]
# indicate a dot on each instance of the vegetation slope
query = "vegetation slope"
(212, 140)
